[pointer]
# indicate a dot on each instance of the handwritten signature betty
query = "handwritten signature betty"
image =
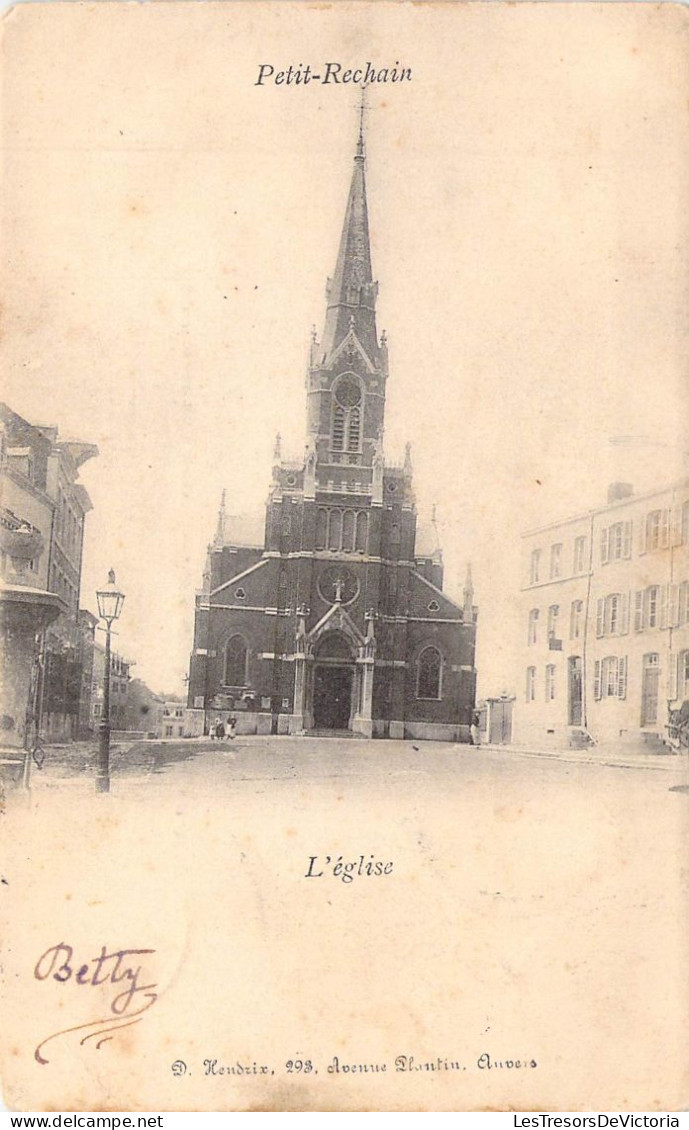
(118, 968)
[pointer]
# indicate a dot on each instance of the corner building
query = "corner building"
(335, 617)
(605, 623)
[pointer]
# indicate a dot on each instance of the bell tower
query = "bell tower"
(348, 367)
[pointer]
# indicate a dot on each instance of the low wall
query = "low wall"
(437, 731)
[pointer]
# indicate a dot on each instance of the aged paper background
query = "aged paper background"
(168, 230)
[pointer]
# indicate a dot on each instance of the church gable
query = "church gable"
(350, 348)
(428, 602)
(242, 579)
(336, 619)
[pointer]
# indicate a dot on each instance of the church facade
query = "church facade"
(332, 615)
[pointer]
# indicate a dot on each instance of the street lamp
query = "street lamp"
(110, 601)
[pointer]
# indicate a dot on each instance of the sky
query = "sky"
(169, 227)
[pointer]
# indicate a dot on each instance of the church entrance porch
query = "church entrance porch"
(332, 697)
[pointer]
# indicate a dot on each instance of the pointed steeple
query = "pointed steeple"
(351, 291)
(220, 528)
(468, 595)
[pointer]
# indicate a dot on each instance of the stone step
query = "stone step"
(331, 734)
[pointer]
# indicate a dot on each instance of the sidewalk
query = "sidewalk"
(611, 756)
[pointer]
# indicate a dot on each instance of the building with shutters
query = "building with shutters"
(605, 622)
(330, 613)
(40, 483)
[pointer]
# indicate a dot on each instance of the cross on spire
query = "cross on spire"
(363, 108)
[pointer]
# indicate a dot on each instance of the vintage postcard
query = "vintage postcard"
(344, 518)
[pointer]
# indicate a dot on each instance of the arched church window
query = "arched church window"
(283, 589)
(335, 530)
(338, 428)
(236, 662)
(354, 431)
(361, 531)
(348, 523)
(346, 427)
(428, 673)
(321, 528)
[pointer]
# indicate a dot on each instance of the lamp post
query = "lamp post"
(110, 601)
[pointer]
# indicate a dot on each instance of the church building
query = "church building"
(332, 616)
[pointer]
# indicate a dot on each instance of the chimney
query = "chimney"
(618, 491)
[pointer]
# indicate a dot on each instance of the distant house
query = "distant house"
(119, 689)
(173, 721)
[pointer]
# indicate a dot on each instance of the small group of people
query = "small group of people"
(222, 730)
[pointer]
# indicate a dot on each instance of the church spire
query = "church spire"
(220, 528)
(351, 291)
(468, 595)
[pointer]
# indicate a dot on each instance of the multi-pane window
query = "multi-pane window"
(553, 614)
(530, 684)
(283, 589)
(612, 615)
(579, 554)
(610, 677)
(576, 619)
(683, 689)
(535, 567)
(556, 560)
(616, 542)
(428, 673)
(550, 682)
(611, 666)
(533, 625)
(661, 606)
(657, 529)
(651, 606)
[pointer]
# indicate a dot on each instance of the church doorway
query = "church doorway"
(333, 683)
(332, 697)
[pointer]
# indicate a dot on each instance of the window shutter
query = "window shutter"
(642, 533)
(676, 525)
(600, 617)
(672, 674)
(673, 607)
(664, 532)
(683, 603)
(624, 613)
(597, 679)
(622, 677)
(627, 540)
(638, 611)
(604, 545)
(663, 605)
